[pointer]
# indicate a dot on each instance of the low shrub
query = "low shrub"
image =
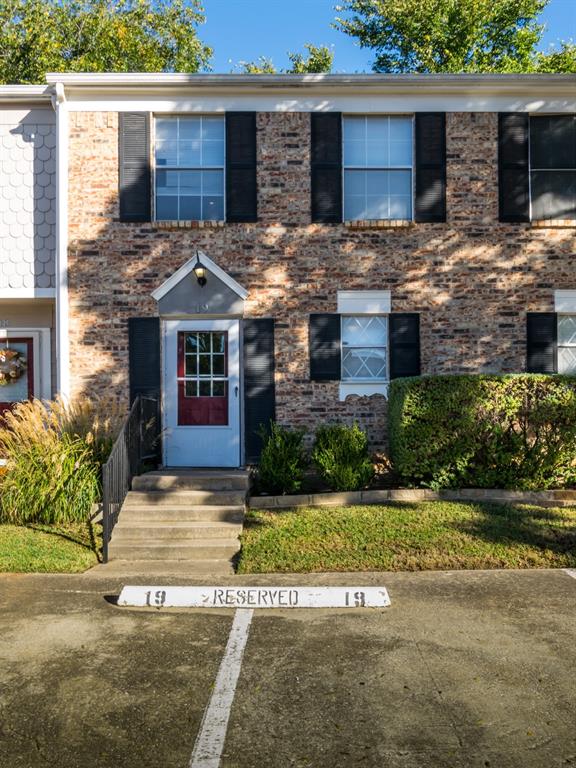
(282, 461)
(54, 451)
(341, 455)
(499, 431)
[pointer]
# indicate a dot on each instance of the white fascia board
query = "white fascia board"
(188, 267)
(27, 293)
(565, 301)
(458, 82)
(169, 92)
(364, 302)
(25, 93)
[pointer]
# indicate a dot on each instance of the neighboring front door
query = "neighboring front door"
(201, 393)
(16, 371)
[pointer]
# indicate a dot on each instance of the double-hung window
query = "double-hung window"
(553, 166)
(378, 161)
(364, 348)
(189, 168)
(567, 344)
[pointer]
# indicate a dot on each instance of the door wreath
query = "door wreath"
(12, 365)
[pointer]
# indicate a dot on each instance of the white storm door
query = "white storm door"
(201, 393)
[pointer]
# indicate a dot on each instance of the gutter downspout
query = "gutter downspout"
(62, 309)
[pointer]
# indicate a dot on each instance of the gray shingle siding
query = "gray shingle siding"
(27, 199)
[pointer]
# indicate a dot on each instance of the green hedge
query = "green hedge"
(484, 431)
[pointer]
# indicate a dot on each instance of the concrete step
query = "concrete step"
(140, 513)
(192, 480)
(194, 549)
(175, 532)
(185, 498)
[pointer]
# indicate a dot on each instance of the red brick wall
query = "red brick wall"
(472, 279)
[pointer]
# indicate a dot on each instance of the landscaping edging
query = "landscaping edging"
(557, 498)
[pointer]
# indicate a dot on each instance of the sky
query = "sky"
(242, 30)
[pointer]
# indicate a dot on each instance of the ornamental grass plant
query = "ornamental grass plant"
(54, 451)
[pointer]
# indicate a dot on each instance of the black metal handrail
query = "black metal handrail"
(137, 442)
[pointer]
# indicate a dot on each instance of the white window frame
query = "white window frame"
(564, 304)
(343, 348)
(155, 167)
(367, 304)
(379, 168)
(564, 346)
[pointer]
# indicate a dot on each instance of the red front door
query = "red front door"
(16, 390)
(202, 378)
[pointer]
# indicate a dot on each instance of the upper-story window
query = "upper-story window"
(189, 166)
(553, 166)
(378, 152)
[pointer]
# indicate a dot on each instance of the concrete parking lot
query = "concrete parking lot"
(465, 669)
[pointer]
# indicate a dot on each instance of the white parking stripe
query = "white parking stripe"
(210, 740)
(570, 572)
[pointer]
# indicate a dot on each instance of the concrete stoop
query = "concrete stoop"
(192, 517)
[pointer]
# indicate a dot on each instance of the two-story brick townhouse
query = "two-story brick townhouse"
(256, 247)
(27, 244)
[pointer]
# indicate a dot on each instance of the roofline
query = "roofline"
(379, 82)
(26, 93)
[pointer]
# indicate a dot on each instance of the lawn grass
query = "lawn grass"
(432, 535)
(46, 549)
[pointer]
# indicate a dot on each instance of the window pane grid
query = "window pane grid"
(189, 161)
(205, 372)
(364, 348)
(378, 158)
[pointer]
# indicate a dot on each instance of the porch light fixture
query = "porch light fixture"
(200, 271)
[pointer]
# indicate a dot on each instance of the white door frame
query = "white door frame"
(42, 357)
(169, 393)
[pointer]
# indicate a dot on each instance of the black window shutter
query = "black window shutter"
(259, 389)
(144, 356)
(541, 342)
(326, 167)
(241, 189)
(325, 352)
(134, 166)
(513, 172)
(404, 344)
(430, 142)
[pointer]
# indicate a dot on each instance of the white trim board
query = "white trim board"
(565, 301)
(364, 302)
(62, 307)
(362, 389)
(299, 102)
(188, 267)
(27, 293)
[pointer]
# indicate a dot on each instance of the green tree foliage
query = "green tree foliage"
(453, 35)
(39, 36)
(319, 59)
(562, 59)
